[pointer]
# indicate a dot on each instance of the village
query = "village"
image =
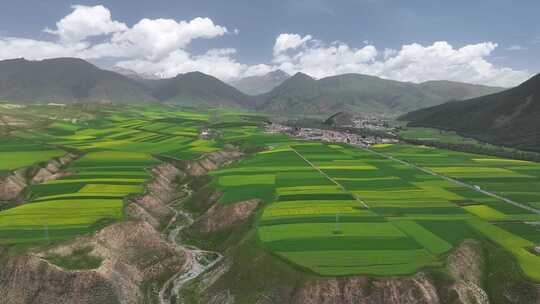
(332, 136)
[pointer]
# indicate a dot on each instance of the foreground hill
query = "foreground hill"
(255, 85)
(362, 93)
(198, 89)
(508, 118)
(65, 80)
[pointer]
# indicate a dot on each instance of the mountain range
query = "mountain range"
(198, 89)
(361, 93)
(255, 85)
(65, 80)
(69, 80)
(509, 118)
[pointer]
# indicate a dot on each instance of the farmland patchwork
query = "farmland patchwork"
(339, 210)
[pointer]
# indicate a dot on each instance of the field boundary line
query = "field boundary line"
(455, 181)
(329, 178)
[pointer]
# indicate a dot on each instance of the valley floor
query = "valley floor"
(324, 210)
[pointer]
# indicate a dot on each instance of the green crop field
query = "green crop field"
(118, 147)
(330, 209)
(339, 210)
(17, 153)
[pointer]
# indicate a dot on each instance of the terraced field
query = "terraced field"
(79, 203)
(330, 209)
(118, 147)
(17, 153)
(338, 210)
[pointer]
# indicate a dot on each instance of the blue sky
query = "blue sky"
(493, 42)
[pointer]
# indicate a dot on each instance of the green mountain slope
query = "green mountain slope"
(65, 80)
(69, 80)
(198, 89)
(362, 93)
(510, 118)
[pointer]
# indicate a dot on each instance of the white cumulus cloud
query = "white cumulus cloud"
(12, 47)
(413, 62)
(156, 46)
(157, 38)
(161, 47)
(86, 21)
(286, 41)
(215, 62)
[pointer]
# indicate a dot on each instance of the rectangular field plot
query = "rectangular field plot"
(76, 204)
(119, 149)
(309, 230)
(423, 236)
(518, 246)
(16, 154)
(346, 204)
(370, 262)
(510, 226)
(56, 220)
(515, 179)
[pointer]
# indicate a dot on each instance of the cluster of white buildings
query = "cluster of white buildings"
(332, 136)
(371, 122)
(277, 128)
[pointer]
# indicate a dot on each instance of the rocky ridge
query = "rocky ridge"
(416, 289)
(223, 217)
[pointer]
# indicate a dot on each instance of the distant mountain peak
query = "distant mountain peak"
(279, 74)
(65, 80)
(302, 93)
(300, 75)
(135, 75)
(200, 90)
(255, 85)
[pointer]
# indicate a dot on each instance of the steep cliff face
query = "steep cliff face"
(466, 266)
(203, 200)
(12, 186)
(29, 279)
(134, 253)
(223, 217)
(52, 169)
(153, 206)
(418, 289)
(211, 161)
